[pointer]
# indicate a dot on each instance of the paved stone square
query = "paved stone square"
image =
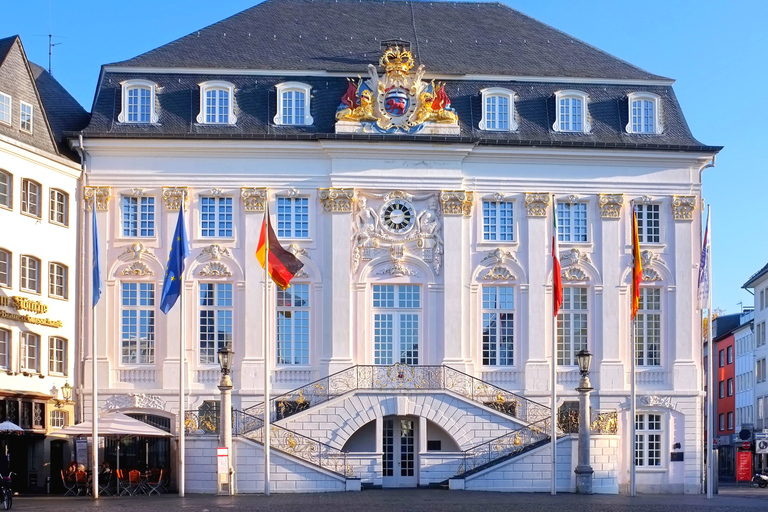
(412, 500)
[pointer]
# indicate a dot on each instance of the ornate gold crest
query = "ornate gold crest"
(399, 101)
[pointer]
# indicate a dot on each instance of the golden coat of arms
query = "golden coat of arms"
(397, 102)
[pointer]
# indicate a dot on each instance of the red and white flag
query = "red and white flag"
(557, 281)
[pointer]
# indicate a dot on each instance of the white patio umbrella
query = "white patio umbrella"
(114, 424)
(8, 427)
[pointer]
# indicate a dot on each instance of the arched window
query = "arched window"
(30, 274)
(498, 110)
(138, 102)
(293, 104)
(571, 113)
(216, 100)
(644, 113)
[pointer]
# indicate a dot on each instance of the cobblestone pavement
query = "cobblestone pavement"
(730, 499)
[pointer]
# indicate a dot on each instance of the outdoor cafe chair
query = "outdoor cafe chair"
(123, 484)
(81, 478)
(155, 485)
(105, 484)
(134, 482)
(69, 485)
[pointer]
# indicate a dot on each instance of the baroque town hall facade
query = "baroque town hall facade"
(410, 154)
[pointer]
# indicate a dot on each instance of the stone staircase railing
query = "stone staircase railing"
(403, 377)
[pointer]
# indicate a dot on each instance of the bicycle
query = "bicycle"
(7, 492)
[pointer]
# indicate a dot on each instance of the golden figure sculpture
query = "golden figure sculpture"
(363, 112)
(427, 112)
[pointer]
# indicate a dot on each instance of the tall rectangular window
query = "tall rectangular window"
(498, 221)
(570, 115)
(139, 105)
(58, 418)
(293, 308)
(729, 354)
(730, 421)
(572, 222)
(26, 117)
(57, 355)
(396, 323)
(721, 356)
(30, 274)
(137, 314)
(572, 325)
(139, 216)
(721, 421)
(5, 343)
(498, 325)
(643, 116)
(648, 436)
(5, 108)
(6, 189)
(648, 223)
(59, 208)
(762, 300)
(30, 352)
(217, 106)
(497, 113)
(292, 217)
(730, 387)
(5, 268)
(58, 281)
(215, 320)
(648, 328)
(294, 107)
(216, 217)
(30, 197)
(721, 389)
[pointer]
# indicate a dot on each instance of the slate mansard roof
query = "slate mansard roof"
(451, 39)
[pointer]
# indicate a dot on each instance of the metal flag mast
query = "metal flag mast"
(553, 369)
(711, 372)
(96, 276)
(265, 231)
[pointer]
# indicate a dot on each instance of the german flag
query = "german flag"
(637, 266)
(282, 264)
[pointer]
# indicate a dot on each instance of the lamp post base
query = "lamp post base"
(584, 479)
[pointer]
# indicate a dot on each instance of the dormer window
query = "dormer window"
(571, 113)
(138, 102)
(293, 104)
(216, 100)
(498, 110)
(644, 113)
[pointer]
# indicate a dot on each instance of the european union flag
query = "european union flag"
(175, 266)
(96, 295)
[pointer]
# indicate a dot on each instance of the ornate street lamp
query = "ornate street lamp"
(225, 428)
(584, 469)
(66, 395)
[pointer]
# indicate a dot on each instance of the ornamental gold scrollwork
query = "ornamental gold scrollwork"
(610, 205)
(457, 202)
(100, 195)
(683, 207)
(137, 268)
(536, 203)
(254, 199)
(215, 269)
(336, 200)
(173, 197)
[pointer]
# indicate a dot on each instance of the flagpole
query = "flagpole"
(266, 348)
(182, 409)
(711, 384)
(94, 378)
(632, 355)
(553, 369)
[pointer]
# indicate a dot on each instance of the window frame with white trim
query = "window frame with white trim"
(292, 217)
(6, 268)
(138, 216)
(397, 314)
(638, 122)
(212, 111)
(6, 108)
(217, 217)
(649, 329)
(28, 275)
(497, 219)
(57, 356)
(566, 103)
(127, 113)
(293, 327)
(655, 433)
(5, 348)
(492, 105)
(215, 319)
(573, 311)
(59, 208)
(24, 352)
(26, 117)
(497, 337)
(6, 189)
(649, 222)
(132, 352)
(58, 280)
(573, 222)
(286, 114)
(31, 203)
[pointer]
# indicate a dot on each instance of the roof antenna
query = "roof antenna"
(51, 44)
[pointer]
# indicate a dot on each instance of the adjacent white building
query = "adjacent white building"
(39, 192)
(418, 335)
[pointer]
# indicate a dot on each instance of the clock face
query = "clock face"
(398, 216)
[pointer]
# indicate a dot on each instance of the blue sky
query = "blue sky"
(715, 50)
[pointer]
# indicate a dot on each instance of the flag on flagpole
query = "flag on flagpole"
(175, 266)
(637, 266)
(283, 265)
(96, 266)
(703, 269)
(557, 280)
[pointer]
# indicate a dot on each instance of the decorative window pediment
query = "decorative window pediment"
(644, 113)
(138, 102)
(293, 104)
(216, 103)
(498, 110)
(571, 112)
